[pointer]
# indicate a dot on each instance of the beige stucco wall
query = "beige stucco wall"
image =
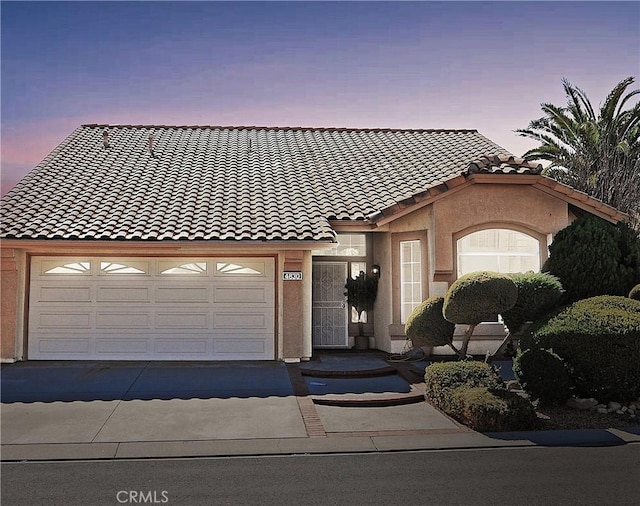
(468, 208)
(383, 307)
(520, 206)
(9, 290)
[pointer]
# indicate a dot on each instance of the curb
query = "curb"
(351, 444)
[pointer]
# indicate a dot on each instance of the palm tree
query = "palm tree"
(598, 154)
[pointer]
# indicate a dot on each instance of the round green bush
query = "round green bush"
(441, 377)
(427, 327)
(538, 292)
(593, 257)
(543, 376)
(599, 340)
(488, 410)
(479, 296)
(635, 292)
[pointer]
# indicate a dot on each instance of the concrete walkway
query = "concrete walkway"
(102, 410)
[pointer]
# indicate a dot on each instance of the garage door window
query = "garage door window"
(189, 268)
(53, 267)
(248, 269)
(124, 268)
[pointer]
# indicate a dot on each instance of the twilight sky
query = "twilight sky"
(482, 65)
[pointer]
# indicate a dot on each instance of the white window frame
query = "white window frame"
(409, 283)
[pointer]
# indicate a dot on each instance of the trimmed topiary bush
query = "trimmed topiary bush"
(593, 257)
(490, 410)
(544, 376)
(441, 377)
(538, 292)
(599, 340)
(427, 327)
(635, 292)
(477, 297)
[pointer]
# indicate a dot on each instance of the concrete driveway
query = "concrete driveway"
(113, 402)
(88, 402)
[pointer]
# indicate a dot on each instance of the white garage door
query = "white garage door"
(152, 309)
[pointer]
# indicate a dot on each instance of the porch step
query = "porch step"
(363, 373)
(370, 399)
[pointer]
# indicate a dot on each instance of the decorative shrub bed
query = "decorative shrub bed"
(490, 410)
(474, 394)
(544, 376)
(599, 340)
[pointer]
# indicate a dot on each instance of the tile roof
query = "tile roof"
(503, 164)
(230, 183)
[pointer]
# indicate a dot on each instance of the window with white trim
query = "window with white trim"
(499, 250)
(349, 245)
(410, 277)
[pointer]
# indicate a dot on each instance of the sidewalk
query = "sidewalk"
(96, 410)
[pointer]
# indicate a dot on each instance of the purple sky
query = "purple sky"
(477, 65)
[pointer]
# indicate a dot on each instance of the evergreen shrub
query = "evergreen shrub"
(538, 292)
(427, 326)
(442, 377)
(593, 257)
(479, 296)
(544, 376)
(490, 410)
(599, 340)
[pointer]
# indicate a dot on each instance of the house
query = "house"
(133, 242)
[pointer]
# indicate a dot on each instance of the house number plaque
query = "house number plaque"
(292, 275)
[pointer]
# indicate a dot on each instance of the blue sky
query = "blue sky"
(477, 65)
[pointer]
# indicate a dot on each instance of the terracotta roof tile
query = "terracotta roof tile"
(234, 183)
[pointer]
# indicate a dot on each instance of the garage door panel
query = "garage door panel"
(123, 320)
(185, 321)
(146, 309)
(123, 346)
(182, 346)
(63, 294)
(239, 347)
(182, 294)
(243, 321)
(57, 320)
(59, 345)
(242, 295)
(123, 294)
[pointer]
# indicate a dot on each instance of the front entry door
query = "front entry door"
(330, 312)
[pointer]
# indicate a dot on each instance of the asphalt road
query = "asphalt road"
(517, 476)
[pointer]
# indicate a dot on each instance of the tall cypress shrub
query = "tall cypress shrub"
(593, 257)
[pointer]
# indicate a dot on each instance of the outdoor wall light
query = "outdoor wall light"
(375, 271)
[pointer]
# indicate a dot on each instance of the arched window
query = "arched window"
(498, 249)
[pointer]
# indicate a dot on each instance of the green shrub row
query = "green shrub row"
(473, 393)
(599, 341)
(491, 410)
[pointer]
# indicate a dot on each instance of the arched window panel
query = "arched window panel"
(66, 267)
(124, 267)
(183, 268)
(498, 249)
(244, 269)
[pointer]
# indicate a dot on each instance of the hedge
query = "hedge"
(599, 340)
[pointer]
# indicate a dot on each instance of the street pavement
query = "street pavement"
(107, 410)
